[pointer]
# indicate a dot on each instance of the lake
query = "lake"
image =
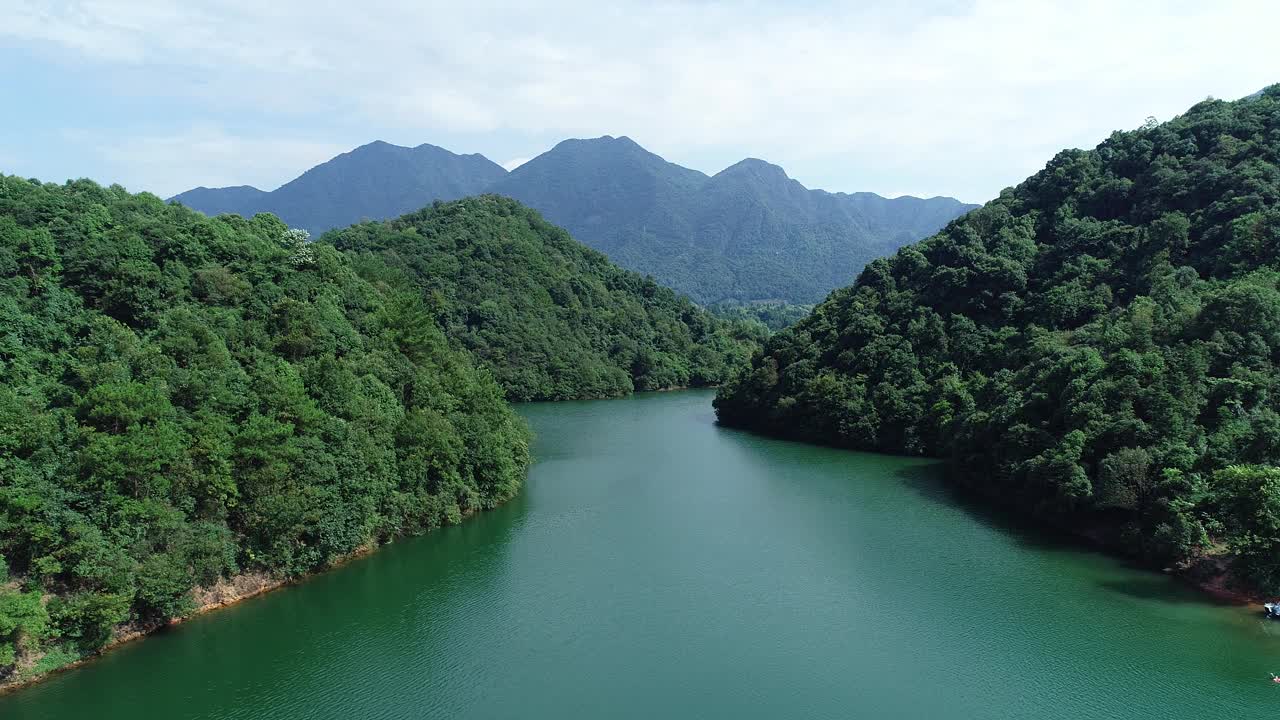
(657, 565)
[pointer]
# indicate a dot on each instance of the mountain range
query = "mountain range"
(748, 233)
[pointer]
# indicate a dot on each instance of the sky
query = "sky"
(920, 98)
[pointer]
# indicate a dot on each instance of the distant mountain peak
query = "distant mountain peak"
(234, 188)
(374, 181)
(219, 200)
(607, 159)
(753, 163)
(392, 147)
(754, 167)
(604, 139)
(604, 142)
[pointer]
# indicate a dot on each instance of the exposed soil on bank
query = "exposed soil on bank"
(1209, 573)
(224, 593)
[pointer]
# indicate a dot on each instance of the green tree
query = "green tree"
(1248, 501)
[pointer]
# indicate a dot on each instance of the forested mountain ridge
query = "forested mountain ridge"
(550, 317)
(1100, 346)
(185, 399)
(748, 233)
(372, 182)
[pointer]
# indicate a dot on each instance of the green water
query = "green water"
(658, 566)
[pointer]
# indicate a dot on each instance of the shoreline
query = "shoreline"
(226, 593)
(1207, 574)
(126, 634)
(235, 590)
(211, 599)
(619, 396)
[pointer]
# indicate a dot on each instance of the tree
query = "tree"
(1248, 502)
(24, 623)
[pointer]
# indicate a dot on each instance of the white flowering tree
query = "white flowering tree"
(296, 240)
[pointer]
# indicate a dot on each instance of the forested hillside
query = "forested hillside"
(550, 317)
(184, 399)
(1099, 347)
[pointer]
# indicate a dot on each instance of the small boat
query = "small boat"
(1271, 610)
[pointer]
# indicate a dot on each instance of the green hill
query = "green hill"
(1095, 348)
(185, 399)
(550, 317)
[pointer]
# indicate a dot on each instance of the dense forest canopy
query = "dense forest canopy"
(1100, 346)
(183, 399)
(552, 318)
(773, 316)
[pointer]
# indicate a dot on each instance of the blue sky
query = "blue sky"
(939, 98)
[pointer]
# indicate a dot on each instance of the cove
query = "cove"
(657, 565)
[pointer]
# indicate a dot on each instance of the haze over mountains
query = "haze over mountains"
(747, 233)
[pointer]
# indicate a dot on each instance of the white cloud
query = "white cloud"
(163, 164)
(958, 99)
(514, 163)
